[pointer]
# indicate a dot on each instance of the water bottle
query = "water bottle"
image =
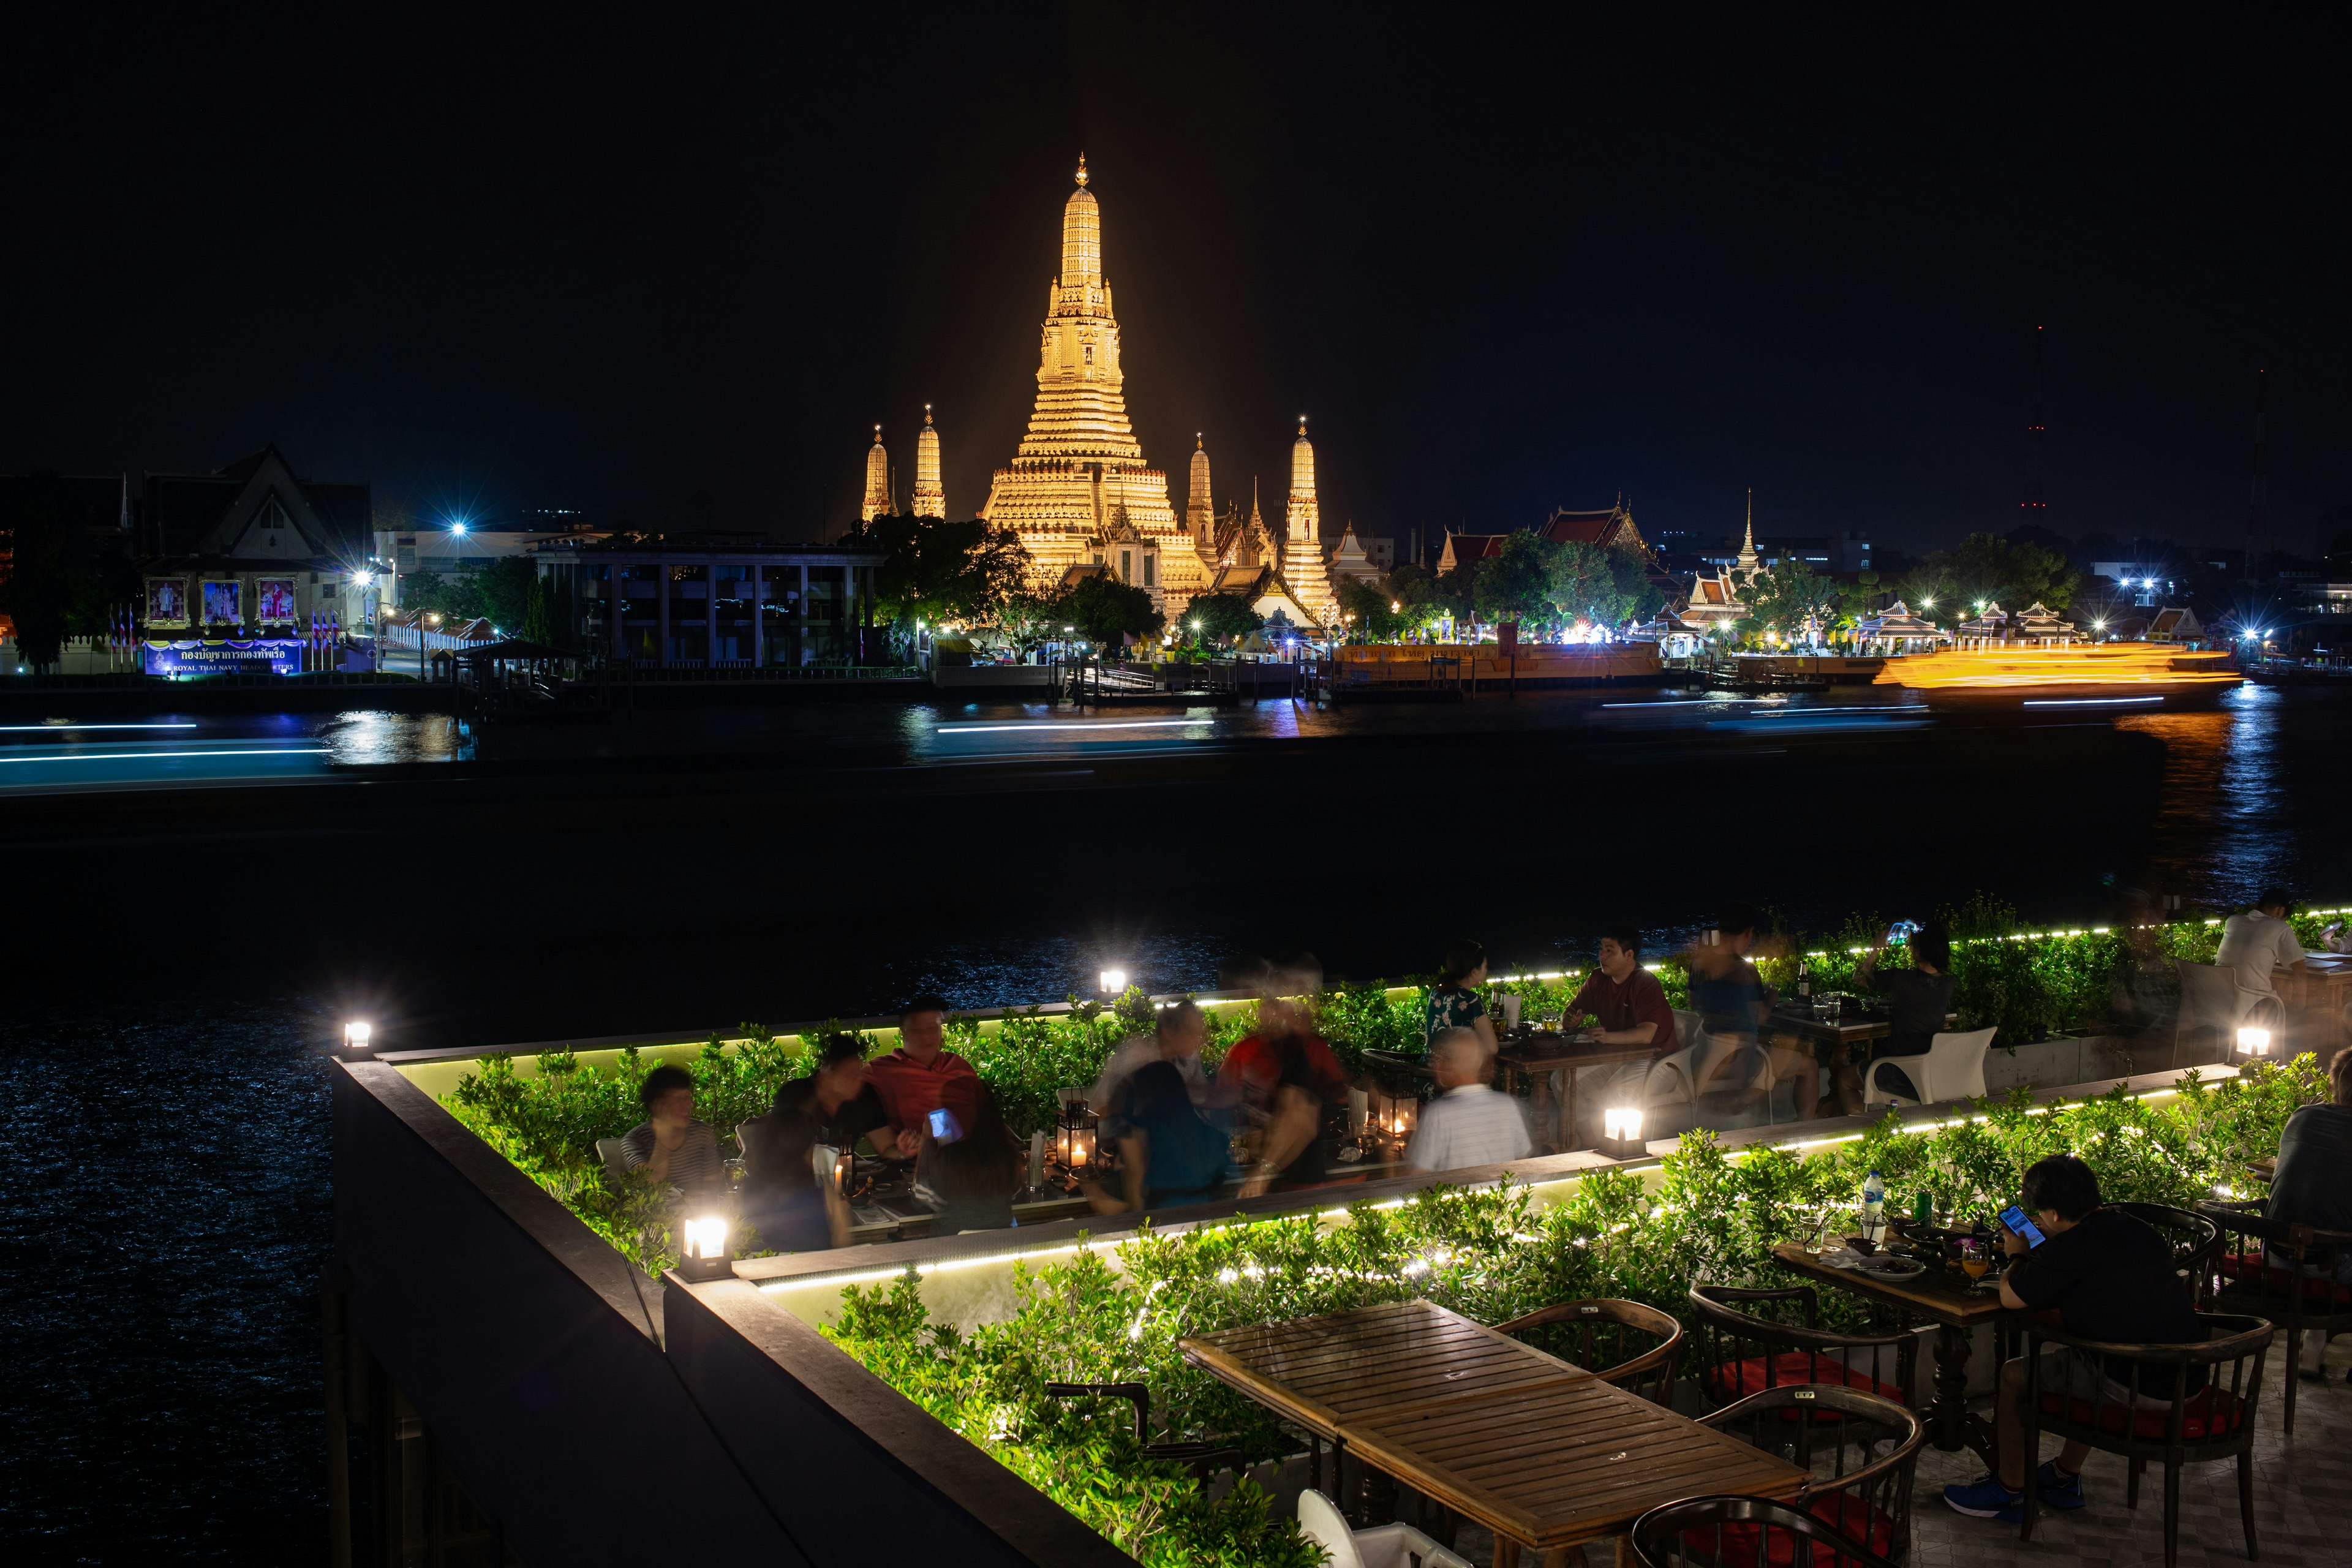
(1874, 1205)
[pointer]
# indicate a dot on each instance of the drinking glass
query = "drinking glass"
(1975, 1265)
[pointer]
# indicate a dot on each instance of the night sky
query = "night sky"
(490, 263)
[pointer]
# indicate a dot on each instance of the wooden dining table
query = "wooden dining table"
(1954, 1309)
(1537, 1449)
(2316, 1000)
(1540, 1057)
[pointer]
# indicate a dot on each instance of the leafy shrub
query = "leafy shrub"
(1490, 1254)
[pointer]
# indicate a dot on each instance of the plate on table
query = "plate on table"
(1891, 1270)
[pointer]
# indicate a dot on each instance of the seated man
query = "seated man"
(670, 1147)
(1632, 1010)
(1469, 1123)
(1169, 1153)
(783, 1196)
(1733, 1066)
(2313, 1184)
(1175, 1038)
(914, 1079)
(2109, 1277)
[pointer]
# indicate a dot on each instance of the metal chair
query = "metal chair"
(1953, 1069)
(1639, 1345)
(2290, 1275)
(1203, 1459)
(613, 1153)
(2212, 1422)
(2195, 1240)
(1750, 1340)
(1862, 1452)
(1697, 1532)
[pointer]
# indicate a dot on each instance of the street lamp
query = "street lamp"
(1114, 982)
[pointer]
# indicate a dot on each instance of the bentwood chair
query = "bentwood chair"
(2293, 1275)
(2204, 1425)
(1862, 1452)
(1744, 1532)
(1625, 1343)
(1750, 1340)
(1203, 1459)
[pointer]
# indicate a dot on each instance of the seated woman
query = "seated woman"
(968, 1165)
(1918, 1001)
(670, 1148)
(1171, 1154)
(834, 1106)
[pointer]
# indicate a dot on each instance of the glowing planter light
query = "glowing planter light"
(2253, 1041)
(1620, 1133)
(1114, 982)
(356, 1035)
(704, 1255)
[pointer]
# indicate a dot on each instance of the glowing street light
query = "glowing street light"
(705, 1256)
(363, 579)
(1114, 982)
(356, 1035)
(458, 527)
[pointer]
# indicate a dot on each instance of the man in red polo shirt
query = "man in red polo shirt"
(914, 1080)
(1632, 1010)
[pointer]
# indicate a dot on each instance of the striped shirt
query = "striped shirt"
(695, 1160)
(1469, 1124)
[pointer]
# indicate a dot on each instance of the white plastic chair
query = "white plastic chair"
(1384, 1546)
(615, 1153)
(2211, 998)
(1953, 1069)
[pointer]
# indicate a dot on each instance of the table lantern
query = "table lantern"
(1620, 1133)
(1392, 1110)
(2253, 1040)
(705, 1255)
(1075, 1133)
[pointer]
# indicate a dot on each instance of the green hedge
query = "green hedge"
(1491, 1255)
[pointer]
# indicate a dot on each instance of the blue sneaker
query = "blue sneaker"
(1986, 1498)
(2053, 1490)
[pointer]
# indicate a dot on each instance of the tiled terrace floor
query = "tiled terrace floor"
(2302, 1500)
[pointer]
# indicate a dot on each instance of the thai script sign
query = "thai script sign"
(261, 656)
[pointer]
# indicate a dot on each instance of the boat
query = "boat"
(2089, 677)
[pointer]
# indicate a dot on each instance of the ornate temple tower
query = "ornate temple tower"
(1080, 446)
(1200, 511)
(930, 495)
(1302, 527)
(877, 481)
(1749, 563)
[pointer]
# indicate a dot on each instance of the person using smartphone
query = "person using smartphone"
(2110, 1277)
(1918, 1000)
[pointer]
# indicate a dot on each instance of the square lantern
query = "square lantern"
(1074, 1134)
(2253, 1040)
(705, 1254)
(1620, 1133)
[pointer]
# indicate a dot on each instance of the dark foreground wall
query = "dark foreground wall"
(534, 1354)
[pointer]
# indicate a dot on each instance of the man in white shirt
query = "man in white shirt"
(1469, 1124)
(2259, 941)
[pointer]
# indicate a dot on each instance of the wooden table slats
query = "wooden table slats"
(1535, 1449)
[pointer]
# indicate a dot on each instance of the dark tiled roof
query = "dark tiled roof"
(1581, 527)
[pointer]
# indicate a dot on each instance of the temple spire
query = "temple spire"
(1199, 509)
(931, 494)
(877, 481)
(1749, 563)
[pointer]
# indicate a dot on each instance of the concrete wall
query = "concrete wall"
(535, 1354)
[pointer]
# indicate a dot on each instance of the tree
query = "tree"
(1517, 584)
(936, 572)
(535, 623)
(1368, 601)
(504, 587)
(1792, 599)
(60, 583)
(1219, 618)
(1987, 568)
(1026, 619)
(1102, 608)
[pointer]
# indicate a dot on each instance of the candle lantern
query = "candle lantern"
(705, 1255)
(1620, 1133)
(1393, 1087)
(1075, 1133)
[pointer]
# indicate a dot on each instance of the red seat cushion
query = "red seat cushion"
(1874, 1528)
(2247, 1264)
(1742, 1378)
(2210, 1413)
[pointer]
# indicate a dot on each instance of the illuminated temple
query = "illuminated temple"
(1078, 491)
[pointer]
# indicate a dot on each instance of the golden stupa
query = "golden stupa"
(1079, 481)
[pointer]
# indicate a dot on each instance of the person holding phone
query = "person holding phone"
(2108, 1276)
(970, 1165)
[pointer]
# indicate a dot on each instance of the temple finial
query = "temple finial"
(1082, 168)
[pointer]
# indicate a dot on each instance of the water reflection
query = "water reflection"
(2224, 816)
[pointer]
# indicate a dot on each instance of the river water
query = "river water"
(166, 1200)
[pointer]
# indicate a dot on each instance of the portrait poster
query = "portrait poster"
(273, 599)
(221, 602)
(167, 602)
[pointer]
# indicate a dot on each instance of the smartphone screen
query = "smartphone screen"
(2014, 1217)
(939, 1124)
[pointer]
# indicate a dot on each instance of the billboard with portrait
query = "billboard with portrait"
(167, 602)
(273, 600)
(221, 601)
